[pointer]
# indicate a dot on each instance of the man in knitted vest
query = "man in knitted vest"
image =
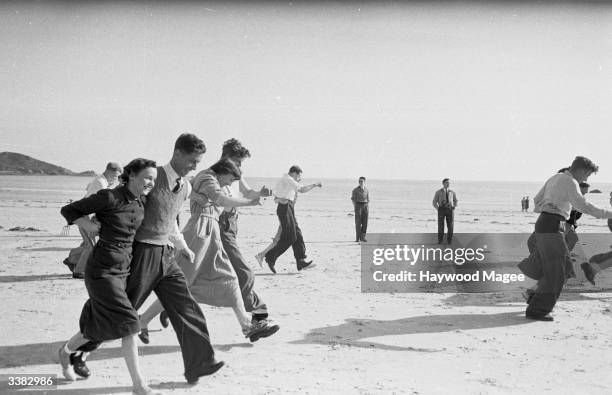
(152, 270)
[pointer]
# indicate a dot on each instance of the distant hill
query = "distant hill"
(14, 163)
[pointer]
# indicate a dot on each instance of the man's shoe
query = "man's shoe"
(260, 329)
(78, 363)
(78, 275)
(207, 371)
(539, 317)
(589, 273)
(364, 240)
(163, 319)
(271, 266)
(64, 360)
(144, 335)
(303, 264)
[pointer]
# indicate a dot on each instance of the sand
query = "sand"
(333, 338)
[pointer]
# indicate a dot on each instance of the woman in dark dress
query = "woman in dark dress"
(108, 314)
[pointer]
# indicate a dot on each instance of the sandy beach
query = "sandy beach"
(333, 338)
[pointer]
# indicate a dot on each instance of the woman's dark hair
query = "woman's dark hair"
(135, 167)
(226, 166)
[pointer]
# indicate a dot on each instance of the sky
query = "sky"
(396, 90)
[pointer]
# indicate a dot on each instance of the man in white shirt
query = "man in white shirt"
(554, 202)
(291, 234)
(77, 258)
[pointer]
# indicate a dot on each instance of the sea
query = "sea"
(398, 206)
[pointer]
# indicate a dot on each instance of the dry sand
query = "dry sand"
(333, 338)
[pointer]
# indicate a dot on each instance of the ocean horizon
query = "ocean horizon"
(395, 206)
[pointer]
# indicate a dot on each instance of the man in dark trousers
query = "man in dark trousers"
(152, 270)
(360, 198)
(555, 201)
(445, 202)
(291, 234)
(228, 224)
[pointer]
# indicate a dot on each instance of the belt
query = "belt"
(119, 244)
(556, 216)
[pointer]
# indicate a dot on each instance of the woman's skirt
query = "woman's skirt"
(108, 314)
(211, 277)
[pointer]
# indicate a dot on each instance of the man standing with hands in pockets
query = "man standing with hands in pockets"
(445, 201)
(360, 198)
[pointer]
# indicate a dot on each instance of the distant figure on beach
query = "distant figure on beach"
(553, 266)
(445, 202)
(526, 203)
(109, 314)
(291, 235)
(77, 257)
(360, 198)
(211, 277)
(598, 262)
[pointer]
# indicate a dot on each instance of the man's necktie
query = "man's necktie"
(447, 196)
(177, 187)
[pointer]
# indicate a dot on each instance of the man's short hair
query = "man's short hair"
(189, 143)
(233, 148)
(584, 163)
(295, 169)
(445, 180)
(226, 166)
(362, 178)
(113, 166)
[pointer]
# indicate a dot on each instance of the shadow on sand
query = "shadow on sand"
(93, 391)
(505, 299)
(354, 330)
(46, 353)
(35, 277)
(44, 249)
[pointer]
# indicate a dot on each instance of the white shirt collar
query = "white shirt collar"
(172, 175)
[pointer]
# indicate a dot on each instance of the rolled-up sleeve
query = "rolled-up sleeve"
(89, 205)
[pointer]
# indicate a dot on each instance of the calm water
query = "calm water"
(400, 205)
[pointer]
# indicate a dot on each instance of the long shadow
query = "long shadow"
(353, 330)
(46, 353)
(94, 391)
(277, 274)
(73, 391)
(34, 277)
(505, 299)
(44, 249)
